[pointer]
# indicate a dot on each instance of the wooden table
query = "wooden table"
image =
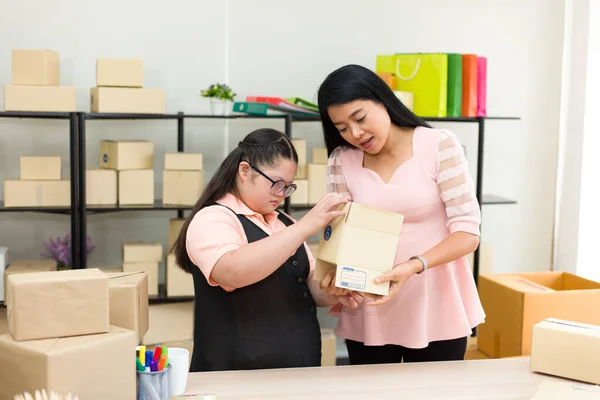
(508, 378)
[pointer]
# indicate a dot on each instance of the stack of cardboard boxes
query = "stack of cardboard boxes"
(310, 177)
(133, 163)
(62, 334)
(36, 84)
(119, 88)
(183, 179)
(40, 184)
(144, 257)
(178, 282)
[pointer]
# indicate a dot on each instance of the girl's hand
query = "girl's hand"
(397, 278)
(345, 297)
(323, 212)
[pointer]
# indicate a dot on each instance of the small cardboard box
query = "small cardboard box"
(151, 270)
(317, 182)
(40, 168)
(35, 67)
(40, 98)
(129, 301)
(101, 187)
(175, 226)
(179, 282)
(514, 303)
(57, 304)
(3, 266)
(120, 72)
(19, 193)
(72, 365)
(300, 145)
(140, 252)
(343, 243)
(25, 267)
(123, 155)
(328, 348)
(567, 349)
(183, 161)
(136, 187)
(319, 155)
(300, 196)
(182, 187)
(127, 100)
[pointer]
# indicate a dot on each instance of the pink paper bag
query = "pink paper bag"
(481, 86)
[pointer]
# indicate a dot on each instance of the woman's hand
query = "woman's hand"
(397, 278)
(323, 212)
(345, 297)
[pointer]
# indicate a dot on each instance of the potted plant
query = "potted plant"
(220, 95)
(60, 251)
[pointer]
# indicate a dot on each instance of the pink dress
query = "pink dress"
(435, 193)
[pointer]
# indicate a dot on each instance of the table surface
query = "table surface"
(508, 378)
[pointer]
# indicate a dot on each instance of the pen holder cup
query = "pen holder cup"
(153, 385)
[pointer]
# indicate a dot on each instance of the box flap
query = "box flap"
(523, 285)
(57, 276)
(374, 219)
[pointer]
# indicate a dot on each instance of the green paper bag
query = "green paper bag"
(454, 105)
(424, 74)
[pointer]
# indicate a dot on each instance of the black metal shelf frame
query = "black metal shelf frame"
(77, 130)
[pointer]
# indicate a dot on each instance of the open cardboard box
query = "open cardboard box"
(359, 247)
(514, 303)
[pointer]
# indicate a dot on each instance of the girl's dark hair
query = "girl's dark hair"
(262, 147)
(354, 82)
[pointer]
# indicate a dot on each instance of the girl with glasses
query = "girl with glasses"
(385, 156)
(255, 299)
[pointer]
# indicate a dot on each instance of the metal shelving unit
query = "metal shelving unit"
(79, 210)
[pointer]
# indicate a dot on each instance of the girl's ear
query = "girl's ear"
(245, 171)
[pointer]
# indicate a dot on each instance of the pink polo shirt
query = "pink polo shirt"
(435, 193)
(215, 231)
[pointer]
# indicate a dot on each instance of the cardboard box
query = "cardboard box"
(175, 226)
(300, 196)
(127, 100)
(3, 266)
(171, 322)
(567, 349)
(40, 98)
(123, 155)
(183, 161)
(317, 182)
(57, 304)
(18, 193)
(40, 168)
(136, 187)
(35, 67)
(514, 303)
(25, 267)
(120, 72)
(328, 348)
(343, 243)
(129, 301)
(150, 268)
(101, 187)
(140, 252)
(319, 155)
(71, 365)
(300, 145)
(182, 187)
(179, 282)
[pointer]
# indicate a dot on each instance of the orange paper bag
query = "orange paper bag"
(469, 88)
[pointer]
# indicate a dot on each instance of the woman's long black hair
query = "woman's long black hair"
(262, 148)
(354, 82)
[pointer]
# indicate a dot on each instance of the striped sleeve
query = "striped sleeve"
(456, 185)
(335, 177)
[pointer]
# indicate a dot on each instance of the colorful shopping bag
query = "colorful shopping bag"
(454, 105)
(481, 86)
(469, 85)
(425, 75)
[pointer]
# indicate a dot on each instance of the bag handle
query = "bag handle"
(408, 78)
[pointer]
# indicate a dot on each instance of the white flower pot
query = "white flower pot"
(219, 107)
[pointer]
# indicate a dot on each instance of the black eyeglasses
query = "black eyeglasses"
(279, 187)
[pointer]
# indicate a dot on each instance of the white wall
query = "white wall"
(285, 48)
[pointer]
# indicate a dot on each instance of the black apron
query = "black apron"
(270, 324)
